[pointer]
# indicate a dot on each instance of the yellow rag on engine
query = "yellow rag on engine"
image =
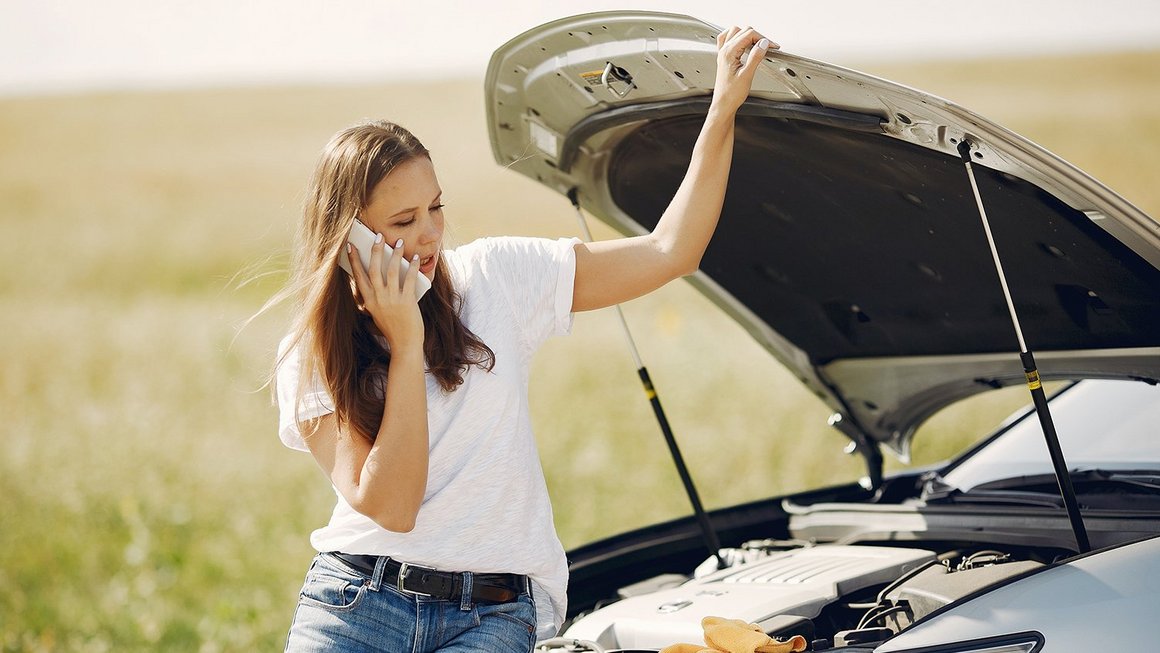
(736, 636)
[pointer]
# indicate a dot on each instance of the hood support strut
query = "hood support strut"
(712, 542)
(1062, 476)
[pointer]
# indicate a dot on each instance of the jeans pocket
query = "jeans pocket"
(332, 591)
(521, 611)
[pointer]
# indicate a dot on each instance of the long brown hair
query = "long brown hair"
(337, 340)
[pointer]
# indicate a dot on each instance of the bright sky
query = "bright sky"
(53, 45)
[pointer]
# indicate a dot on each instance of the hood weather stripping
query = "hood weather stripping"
(712, 542)
(1062, 475)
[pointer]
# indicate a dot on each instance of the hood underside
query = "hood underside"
(850, 244)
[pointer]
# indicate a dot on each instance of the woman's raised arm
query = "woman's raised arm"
(613, 271)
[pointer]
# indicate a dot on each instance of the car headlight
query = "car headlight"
(1028, 642)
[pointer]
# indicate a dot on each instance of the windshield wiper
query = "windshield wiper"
(1148, 479)
(1041, 489)
(1009, 497)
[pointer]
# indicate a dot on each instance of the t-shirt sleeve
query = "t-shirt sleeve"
(315, 402)
(538, 276)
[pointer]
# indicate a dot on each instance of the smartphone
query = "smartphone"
(363, 239)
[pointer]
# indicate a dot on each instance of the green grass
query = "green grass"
(147, 502)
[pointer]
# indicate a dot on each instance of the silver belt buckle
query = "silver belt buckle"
(404, 571)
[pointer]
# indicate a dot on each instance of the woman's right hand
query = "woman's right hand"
(385, 479)
(739, 54)
(392, 305)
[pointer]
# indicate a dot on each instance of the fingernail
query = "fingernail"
(398, 243)
(763, 44)
(378, 238)
(349, 248)
(415, 258)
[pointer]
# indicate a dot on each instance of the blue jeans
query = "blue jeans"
(341, 609)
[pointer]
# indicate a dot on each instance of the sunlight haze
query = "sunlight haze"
(71, 45)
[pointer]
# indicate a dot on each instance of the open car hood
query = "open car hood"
(850, 245)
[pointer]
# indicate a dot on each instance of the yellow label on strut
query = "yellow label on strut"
(1033, 380)
(649, 391)
(593, 77)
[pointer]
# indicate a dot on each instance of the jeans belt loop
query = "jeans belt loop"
(465, 595)
(377, 575)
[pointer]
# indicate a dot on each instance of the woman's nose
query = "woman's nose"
(431, 231)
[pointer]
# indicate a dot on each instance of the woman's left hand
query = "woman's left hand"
(739, 53)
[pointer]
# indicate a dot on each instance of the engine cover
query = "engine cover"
(799, 582)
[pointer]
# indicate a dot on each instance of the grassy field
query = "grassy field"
(147, 502)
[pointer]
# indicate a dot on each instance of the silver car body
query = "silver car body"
(851, 248)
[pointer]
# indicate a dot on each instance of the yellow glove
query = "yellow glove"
(687, 648)
(736, 636)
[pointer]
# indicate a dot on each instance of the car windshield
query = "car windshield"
(1102, 425)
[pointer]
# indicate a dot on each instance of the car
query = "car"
(898, 254)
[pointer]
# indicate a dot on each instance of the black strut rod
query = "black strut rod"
(707, 533)
(1062, 476)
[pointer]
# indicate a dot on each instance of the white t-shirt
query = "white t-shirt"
(486, 508)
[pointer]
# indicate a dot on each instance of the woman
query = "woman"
(442, 537)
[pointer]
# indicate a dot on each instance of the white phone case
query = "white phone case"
(363, 239)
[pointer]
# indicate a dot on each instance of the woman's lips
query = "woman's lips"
(427, 265)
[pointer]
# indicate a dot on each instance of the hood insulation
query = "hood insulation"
(854, 245)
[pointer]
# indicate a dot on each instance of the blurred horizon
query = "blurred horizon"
(71, 46)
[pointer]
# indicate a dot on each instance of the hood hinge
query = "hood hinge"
(865, 445)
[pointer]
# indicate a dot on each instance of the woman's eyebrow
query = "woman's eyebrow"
(415, 208)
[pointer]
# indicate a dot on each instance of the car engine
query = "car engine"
(833, 595)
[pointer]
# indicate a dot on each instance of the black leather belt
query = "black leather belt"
(445, 585)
